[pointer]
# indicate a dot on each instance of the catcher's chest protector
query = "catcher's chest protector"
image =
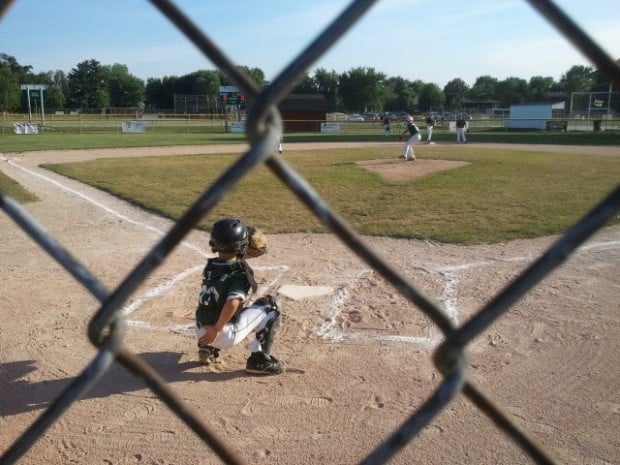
(216, 275)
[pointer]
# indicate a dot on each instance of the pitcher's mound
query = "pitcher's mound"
(400, 170)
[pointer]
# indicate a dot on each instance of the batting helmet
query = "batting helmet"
(229, 235)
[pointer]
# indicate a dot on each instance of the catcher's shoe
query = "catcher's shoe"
(260, 363)
(208, 355)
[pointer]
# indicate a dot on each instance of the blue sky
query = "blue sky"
(416, 39)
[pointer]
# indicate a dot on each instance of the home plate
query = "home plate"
(303, 292)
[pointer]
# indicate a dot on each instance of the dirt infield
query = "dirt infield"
(361, 354)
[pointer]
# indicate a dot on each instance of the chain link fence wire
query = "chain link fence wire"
(264, 127)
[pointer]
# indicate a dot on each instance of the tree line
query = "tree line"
(90, 87)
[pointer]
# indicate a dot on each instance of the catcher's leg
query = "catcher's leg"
(266, 335)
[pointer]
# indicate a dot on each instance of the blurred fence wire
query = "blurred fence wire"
(264, 127)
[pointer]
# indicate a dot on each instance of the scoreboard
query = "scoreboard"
(230, 95)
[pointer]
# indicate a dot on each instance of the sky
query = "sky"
(414, 39)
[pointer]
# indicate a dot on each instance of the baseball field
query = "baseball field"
(359, 353)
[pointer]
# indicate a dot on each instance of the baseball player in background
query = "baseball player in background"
(461, 128)
(386, 125)
(414, 136)
(222, 320)
(430, 124)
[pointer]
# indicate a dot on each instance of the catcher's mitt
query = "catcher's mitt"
(257, 245)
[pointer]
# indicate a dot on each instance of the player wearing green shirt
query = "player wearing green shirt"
(222, 318)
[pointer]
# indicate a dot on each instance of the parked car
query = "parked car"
(402, 115)
(369, 116)
(355, 117)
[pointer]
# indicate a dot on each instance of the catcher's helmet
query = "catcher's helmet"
(229, 235)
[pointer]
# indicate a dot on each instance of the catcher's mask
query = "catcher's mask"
(229, 235)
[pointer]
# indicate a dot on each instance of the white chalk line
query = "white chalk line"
(328, 329)
(449, 297)
(99, 204)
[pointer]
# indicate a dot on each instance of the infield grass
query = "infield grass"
(501, 195)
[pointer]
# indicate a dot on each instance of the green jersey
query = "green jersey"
(222, 280)
(412, 128)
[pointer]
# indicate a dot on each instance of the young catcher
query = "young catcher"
(222, 318)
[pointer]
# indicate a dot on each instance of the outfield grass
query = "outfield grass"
(501, 195)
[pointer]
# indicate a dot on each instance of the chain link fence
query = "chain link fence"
(264, 127)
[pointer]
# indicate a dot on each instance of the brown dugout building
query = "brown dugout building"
(303, 112)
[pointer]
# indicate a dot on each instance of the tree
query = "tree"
(455, 92)
(159, 93)
(510, 91)
(538, 88)
(306, 86)
(124, 89)
(10, 94)
(255, 73)
(362, 89)
(9, 62)
(399, 95)
(484, 88)
(430, 97)
(88, 86)
(328, 84)
(577, 79)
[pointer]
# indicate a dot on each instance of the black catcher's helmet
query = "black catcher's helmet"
(229, 235)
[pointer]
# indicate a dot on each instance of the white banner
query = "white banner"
(25, 128)
(330, 127)
(133, 126)
(237, 126)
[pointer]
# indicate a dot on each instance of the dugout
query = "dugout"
(303, 112)
(541, 115)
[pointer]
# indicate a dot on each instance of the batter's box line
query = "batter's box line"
(329, 330)
(451, 280)
(449, 299)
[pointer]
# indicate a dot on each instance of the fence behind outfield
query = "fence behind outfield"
(264, 127)
(216, 123)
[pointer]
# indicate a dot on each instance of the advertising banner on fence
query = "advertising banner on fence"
(238, 126)
(133, 126)
(25, 128)
(330, 127)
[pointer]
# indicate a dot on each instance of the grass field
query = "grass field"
(501, 195)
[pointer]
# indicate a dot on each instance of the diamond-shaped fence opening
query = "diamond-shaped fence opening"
(264, 127)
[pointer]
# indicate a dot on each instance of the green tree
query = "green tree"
(10, 94)
(125, 90)
(362, 89)
(455, 92)
(88, 86)
(10, 62)
(538, 88)
(431, 96)
(510, 91)
(54, 95)
(306, 86)
(577, 79)
(255, 73)
(399, 94)
(159, 93)
(328, 84)
(484, 88)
